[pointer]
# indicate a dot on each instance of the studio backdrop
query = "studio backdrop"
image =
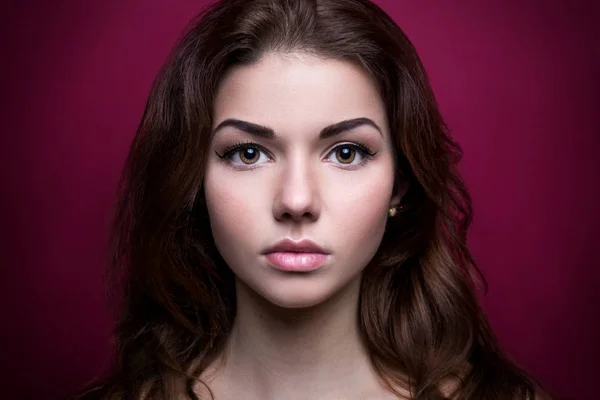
(516, 80)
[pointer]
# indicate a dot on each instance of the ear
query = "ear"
(400, 189)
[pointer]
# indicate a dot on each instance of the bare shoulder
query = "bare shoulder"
(539, 395)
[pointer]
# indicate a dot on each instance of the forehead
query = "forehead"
(298, 90)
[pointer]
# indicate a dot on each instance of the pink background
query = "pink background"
(518, 84)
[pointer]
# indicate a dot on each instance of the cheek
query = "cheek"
(364, 211)
(359, 209)
(229, 208)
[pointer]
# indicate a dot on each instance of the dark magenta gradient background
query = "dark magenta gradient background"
(516, 80)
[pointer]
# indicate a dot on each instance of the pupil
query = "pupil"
(345, 155)
(249, 154)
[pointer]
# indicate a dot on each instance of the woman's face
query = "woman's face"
(280, 174)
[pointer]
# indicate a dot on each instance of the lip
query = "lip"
(290, 246)
(301, 256)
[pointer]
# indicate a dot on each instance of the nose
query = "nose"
(297, 195)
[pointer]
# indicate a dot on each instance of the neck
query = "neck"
(314, 352)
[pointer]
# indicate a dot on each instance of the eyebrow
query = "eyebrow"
(269, 133)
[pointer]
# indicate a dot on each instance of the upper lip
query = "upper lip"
(302, 246)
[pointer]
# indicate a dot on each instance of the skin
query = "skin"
(296, 334)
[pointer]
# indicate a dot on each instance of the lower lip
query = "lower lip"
(296, 262)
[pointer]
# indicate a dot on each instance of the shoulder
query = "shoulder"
(539, 395)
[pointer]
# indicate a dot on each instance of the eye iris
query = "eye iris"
(249, 155)
(345, 155)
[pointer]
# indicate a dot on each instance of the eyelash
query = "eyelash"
(366, 153)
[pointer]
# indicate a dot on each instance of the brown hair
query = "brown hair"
(420, 317)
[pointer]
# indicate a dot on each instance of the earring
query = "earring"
(392, 211)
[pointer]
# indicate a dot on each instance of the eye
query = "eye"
(245, 154)
(350, 154)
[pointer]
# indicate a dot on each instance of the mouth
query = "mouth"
(301, 256)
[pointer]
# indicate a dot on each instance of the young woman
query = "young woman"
(291, 224)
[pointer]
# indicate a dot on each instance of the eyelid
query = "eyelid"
(242, 145)
(360, 146)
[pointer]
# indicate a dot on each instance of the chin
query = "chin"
(297, 302)
(302, 292)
